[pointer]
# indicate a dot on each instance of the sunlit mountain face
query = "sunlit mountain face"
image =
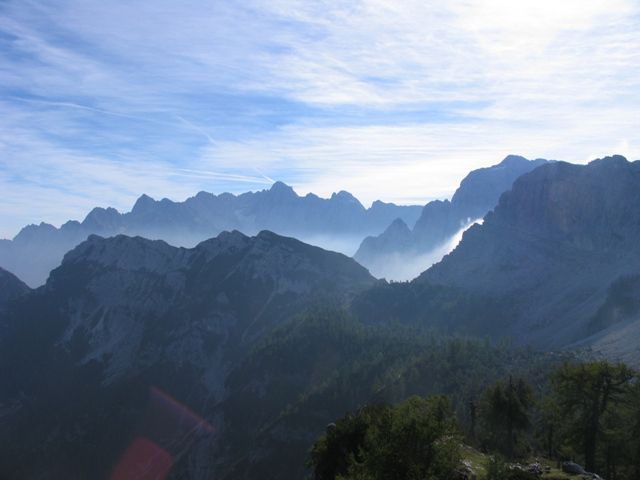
(319, 240)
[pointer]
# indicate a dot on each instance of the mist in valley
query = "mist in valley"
(405, 266)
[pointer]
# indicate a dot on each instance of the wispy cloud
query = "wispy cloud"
(102, 101)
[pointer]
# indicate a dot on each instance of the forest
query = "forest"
(586, 421)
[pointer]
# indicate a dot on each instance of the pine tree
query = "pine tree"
(584, 394)
(505, 413)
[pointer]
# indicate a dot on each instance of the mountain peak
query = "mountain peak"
(271, 256)
(282, 189)
(483, 187)
(342, 194)
(143, 204)
(346, 198)
(513, 159)
(398, 225)
(202, 195)
(225, 241)
(101, 217)
(32, 231)
(267, 235)
(610, 161)
(130, 253)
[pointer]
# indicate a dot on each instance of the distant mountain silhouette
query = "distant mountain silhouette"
(37, 249)
(477, 194)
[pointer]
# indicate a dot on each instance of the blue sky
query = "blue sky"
(102, 101)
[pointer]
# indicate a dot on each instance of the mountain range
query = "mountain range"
(229, 357)
(401, 252)
(338, 223)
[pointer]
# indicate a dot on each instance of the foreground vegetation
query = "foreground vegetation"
(589, 414)
(321, 365)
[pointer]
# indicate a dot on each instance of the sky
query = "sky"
(103, 101)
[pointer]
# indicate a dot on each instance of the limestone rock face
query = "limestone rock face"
(553, 247)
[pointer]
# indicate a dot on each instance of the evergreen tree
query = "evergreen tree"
(587, 396)
(505, 413)
(418, 439)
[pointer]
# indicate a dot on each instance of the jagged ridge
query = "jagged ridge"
(37, 249)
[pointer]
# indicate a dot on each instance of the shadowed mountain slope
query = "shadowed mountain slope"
(122, 315)
(552, 249)
(11, 287)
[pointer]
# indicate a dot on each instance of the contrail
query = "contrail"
(196, 128)
(80, 106)
(224, 176)
(263, 175)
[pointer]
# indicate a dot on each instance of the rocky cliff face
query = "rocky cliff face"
(440, 220)
(552, 248)
(122, 315)
(334, 222)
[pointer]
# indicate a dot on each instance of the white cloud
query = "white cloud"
(413, 163)
(447, 51)
(394, 100)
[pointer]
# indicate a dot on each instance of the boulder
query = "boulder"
(572, 468)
